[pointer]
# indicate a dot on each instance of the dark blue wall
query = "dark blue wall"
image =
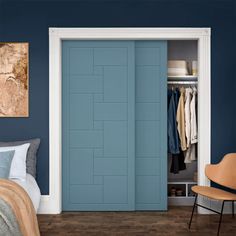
(29, 21)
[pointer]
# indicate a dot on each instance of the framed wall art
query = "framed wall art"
(14, 79)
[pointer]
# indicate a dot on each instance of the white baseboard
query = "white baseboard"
(48, 205)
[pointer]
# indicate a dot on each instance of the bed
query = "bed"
(19, 192)
(31, 187)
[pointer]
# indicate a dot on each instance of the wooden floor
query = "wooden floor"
(173, 222)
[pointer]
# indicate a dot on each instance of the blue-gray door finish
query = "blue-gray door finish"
(114, 125)
(151, 125)
(98, 126)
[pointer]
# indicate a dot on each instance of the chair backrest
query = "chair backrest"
(223, 173)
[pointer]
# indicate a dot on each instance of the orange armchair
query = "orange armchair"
(223, 173)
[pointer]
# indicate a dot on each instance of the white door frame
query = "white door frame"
(52, 203)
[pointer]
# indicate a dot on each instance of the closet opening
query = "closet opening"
(182, 127)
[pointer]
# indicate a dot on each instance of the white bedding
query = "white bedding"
(31, 187)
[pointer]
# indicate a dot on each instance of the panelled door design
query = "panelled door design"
(151, 123)
(98, 125)
(114, 125)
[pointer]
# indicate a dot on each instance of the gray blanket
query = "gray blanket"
(8, 222)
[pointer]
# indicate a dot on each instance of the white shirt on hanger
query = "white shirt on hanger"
(188, 92)
(193, 118)
(190, 154)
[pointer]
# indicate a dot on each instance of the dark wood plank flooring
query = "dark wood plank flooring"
(173, 222)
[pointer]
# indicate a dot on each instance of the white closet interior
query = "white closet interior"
(179, 185)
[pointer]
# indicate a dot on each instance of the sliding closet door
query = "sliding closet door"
(98, 125)
(151, 125)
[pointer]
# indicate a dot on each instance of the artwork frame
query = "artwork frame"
(14, 79)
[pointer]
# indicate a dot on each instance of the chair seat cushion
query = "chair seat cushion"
(214, 193)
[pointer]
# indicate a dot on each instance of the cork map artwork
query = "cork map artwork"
(14, 80)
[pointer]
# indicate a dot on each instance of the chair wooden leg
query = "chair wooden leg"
(233, 209)
(190, 222)
(221, 214)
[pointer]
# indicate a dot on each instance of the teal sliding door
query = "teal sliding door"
(114, 153)
(98, 125)
(151, 125)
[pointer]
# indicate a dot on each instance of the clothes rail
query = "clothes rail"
(182, 82)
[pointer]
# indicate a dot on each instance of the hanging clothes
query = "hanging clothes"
(191, 125)
(188, 93)
(177, 163)
(182, 127)
(190, 154)
(177, 156)
(173, 139)
(180, 118)
(193, 118)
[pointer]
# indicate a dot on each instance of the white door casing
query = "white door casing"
(52, 203)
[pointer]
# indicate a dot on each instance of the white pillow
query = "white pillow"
(18, 164)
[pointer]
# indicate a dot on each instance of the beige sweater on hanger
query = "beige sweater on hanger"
(180, 118)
